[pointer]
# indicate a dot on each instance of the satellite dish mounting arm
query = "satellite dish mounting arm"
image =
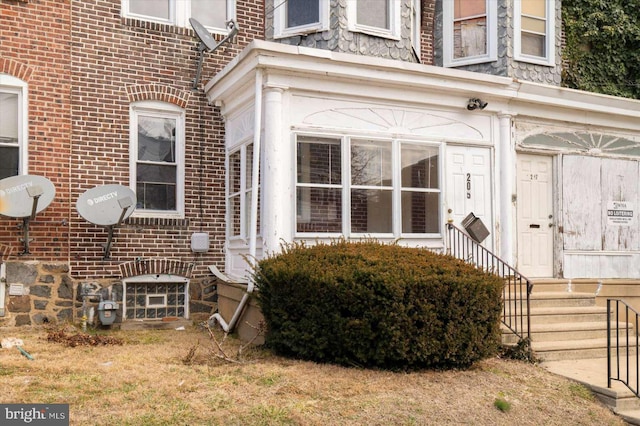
(124, 203)
(34, 192)
(207, 43)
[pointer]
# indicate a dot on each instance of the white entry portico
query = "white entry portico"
(361, 147)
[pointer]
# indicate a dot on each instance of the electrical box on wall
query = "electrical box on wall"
(199, 242)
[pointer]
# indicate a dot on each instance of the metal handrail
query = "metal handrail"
(629, 329)
(517, 289)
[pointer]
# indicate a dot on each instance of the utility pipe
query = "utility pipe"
(253, 231)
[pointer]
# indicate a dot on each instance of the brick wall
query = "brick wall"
(35, 47)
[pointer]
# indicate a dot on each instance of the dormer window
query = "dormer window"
(470, 32)
(534, 28)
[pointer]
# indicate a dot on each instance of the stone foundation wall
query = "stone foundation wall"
(37, 293)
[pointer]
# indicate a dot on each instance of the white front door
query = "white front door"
(468, 186)
(535, 216)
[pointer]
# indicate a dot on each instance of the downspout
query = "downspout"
(253, 230)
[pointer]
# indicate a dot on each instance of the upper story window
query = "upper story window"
(13, 126)
(376, 17)
(213, 14)
(359, 187)
(292, 17)
(470, 32)
(416, 33)
(157, 158)
(534, 28)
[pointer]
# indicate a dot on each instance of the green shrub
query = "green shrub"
(374, 305)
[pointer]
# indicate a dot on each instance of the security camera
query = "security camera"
(476, 103)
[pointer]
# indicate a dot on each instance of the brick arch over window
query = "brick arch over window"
(157, 266)
(158, 92)
(16, 69)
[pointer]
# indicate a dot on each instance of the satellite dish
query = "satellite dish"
(208, 43)
(203, 34)
(106, 205)
(25, 195)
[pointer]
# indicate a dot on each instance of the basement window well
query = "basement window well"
(155, 297)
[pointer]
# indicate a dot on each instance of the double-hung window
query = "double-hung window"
(13, 126)
(470, 32)
(534, 28)
(213, 14)
(357, 187)
(376, 17)
(157, 158)
(240, 180)
(294, 17)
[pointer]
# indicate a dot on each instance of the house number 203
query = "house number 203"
(468, 185)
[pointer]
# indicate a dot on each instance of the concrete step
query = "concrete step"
(554, 299)
(568, 314)
(570, 331)
(574, 349)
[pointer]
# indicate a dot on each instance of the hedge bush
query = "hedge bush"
(375, 305)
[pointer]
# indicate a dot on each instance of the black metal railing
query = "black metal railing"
(625, 353)
(517, 289)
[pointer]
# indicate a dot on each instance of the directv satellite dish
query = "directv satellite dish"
(19, 195)
(107, 205)
(24, 196)
(208, 43)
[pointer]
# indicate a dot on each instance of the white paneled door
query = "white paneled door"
(535, 216)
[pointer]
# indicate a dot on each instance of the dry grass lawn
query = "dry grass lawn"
(156, 378)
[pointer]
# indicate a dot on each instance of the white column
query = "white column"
(277, 175)
(507, 155)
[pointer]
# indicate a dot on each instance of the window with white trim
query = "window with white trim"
(376, 17)
(534, 29)
(213, 14)
(367, 187)
(470, 32)
(240, 180)
(13, 126)
(416, 33)
(157, 158)
(294, 17)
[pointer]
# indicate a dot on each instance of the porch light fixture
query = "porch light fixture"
(476, 103)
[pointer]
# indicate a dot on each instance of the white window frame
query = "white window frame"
(243, 194)
(346, 187)
(550, 59)
(10, 84)
(448, 38)
(394, 20)
(179, 14)
(164, 110)
(416, 29)
(280, 20)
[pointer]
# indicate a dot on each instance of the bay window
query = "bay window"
(299, 17)
(534, 23)
(376, 17)
(470, 32)
(387, 188)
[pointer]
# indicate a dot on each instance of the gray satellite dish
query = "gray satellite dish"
(208, 43)
(24, 196)
(107, 205)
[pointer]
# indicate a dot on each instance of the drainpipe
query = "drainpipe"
(3, 283)
(253, 231)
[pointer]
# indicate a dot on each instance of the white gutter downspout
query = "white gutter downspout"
(253, 231)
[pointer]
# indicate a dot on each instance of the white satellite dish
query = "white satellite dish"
(208, 43)
(21, 196)
(107, 205)
(24, 196)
